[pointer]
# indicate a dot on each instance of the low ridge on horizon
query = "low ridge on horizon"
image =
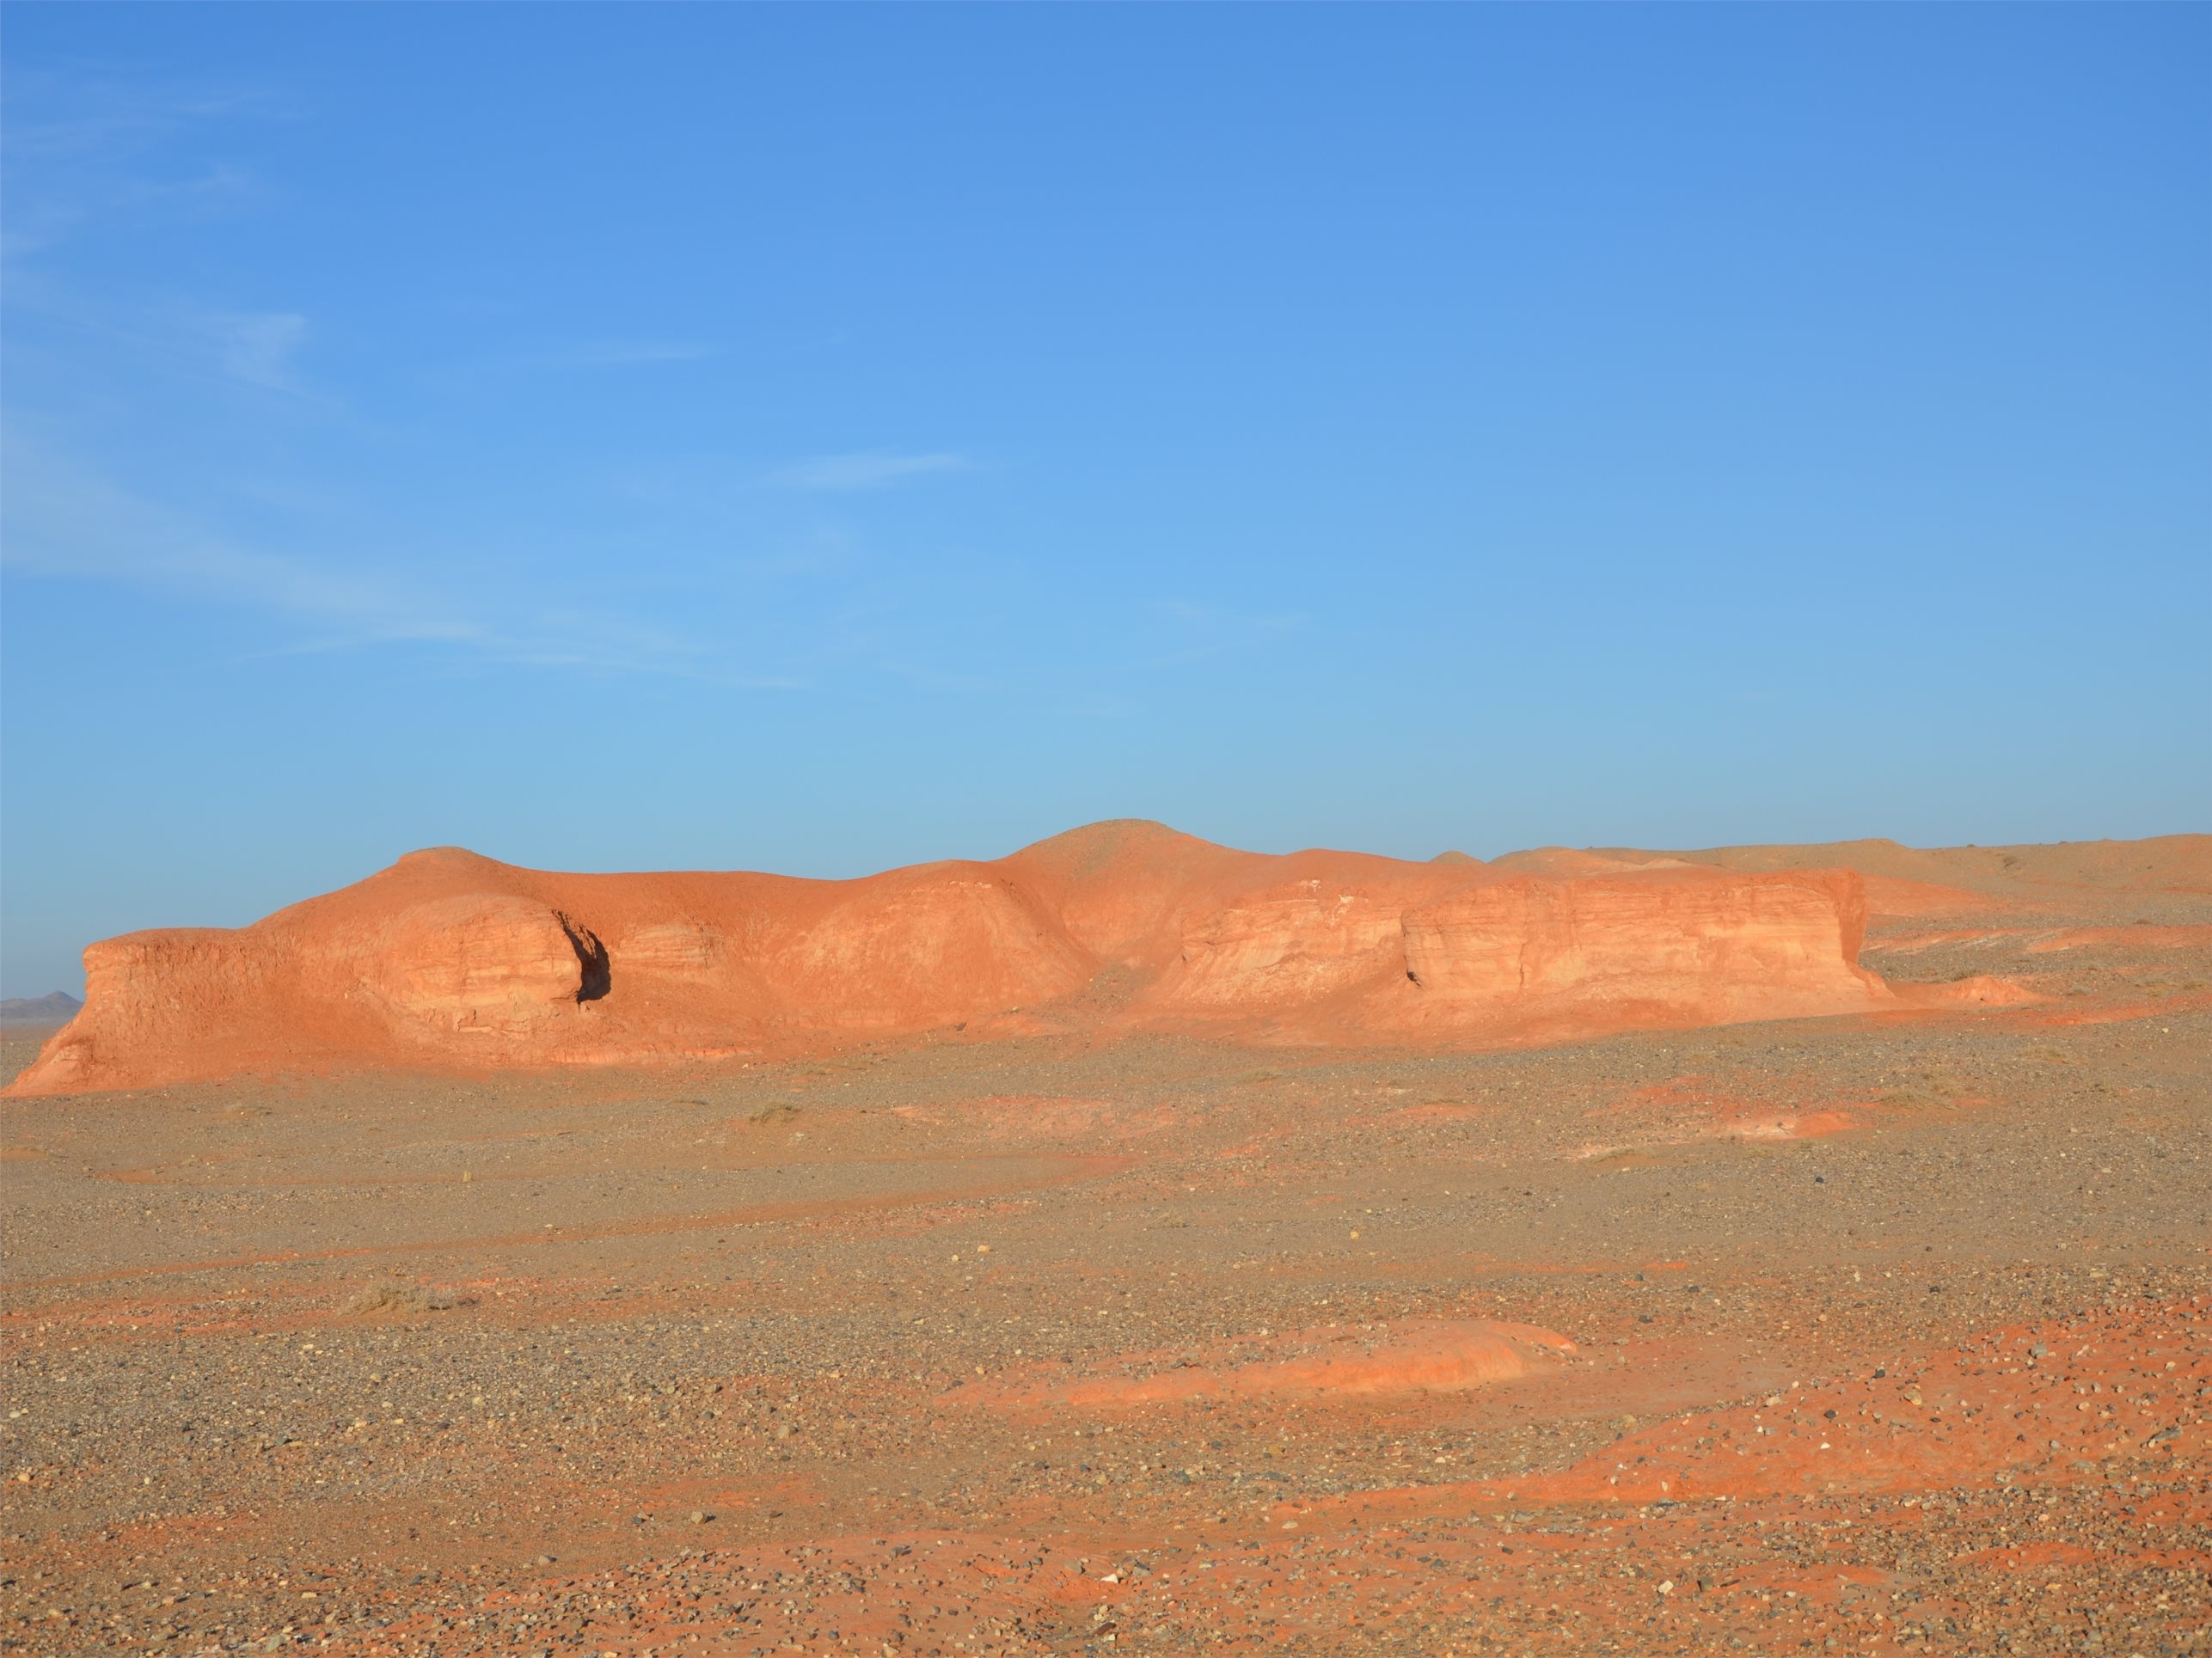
(55, 1007)
(1109, 837)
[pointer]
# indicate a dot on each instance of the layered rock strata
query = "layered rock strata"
(449, 960)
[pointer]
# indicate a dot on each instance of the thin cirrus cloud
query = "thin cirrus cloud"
(628, 354)
(84, 149)
(65, 520)
(68, 115)
(869, 469)
(43, 216)
(84, 153)
(256, 347)
(1198, 632)
(1213, 618)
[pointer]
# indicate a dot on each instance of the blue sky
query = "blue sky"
(823, 439)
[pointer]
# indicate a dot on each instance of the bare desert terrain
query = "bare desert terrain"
(1130, 1246)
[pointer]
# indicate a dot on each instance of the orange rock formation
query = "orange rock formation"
(450, 960)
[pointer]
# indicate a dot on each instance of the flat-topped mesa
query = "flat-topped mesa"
(1664, 945)
(449, 960)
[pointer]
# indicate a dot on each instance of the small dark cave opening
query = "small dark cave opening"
(592, 956)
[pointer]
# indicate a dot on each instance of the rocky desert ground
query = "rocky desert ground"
(1103, 1325)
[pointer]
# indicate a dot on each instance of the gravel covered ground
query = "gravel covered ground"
(1886, 1332)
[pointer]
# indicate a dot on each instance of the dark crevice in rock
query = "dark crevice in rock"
(592, 956)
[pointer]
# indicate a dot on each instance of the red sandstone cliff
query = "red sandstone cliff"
(447, 959)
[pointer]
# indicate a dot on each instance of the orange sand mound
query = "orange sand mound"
(450, 960)
(1414, 1356)
(2014, 1404)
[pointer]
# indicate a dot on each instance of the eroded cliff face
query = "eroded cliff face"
(1666, 945)
(447, 959)
(1283, 947)
(154, 991)
(477, 967)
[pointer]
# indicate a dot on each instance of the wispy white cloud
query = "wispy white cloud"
(257, 350)
(628, 354)
(59, 114)
(826, 551)
(62, 519)
(1219, 618)
(86, 151)
(83, 148)
(45, 213)
(65, 519)
(1207, 632)
(869, 469)
(256, 347)
(930, 678)
(1101, 704)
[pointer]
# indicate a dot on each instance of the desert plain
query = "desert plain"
(1269, 1260)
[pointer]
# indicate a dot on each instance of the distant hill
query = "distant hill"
(59, 1008)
